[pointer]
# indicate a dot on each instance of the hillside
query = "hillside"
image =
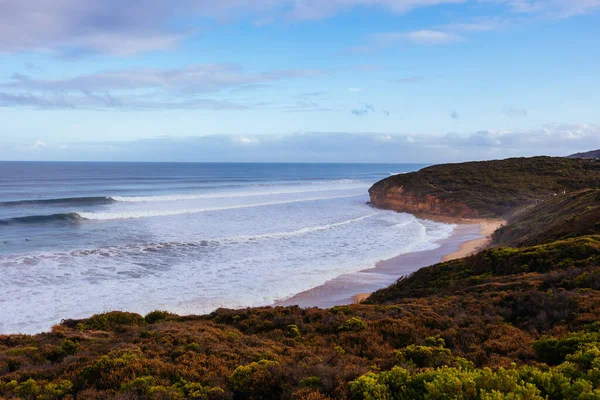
(561, 217)
(484, 189)
(560, 264)
(594, 154)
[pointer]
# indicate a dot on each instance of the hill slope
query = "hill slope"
(561, 217)
(590, 155)
(484, 189)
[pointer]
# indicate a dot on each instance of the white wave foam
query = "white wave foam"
(339, 181)
(164, 213)
(305, 231)
(139, 248)
(178, 197)
(397, 173)
(263, 268)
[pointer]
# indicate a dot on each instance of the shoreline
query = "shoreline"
(469, 237)
(487, 227)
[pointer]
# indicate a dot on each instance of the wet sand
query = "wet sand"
(352, 288)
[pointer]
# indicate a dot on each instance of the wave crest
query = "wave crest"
(165, 213)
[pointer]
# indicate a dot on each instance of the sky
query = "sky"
(298, 80)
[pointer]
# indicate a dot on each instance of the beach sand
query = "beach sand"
(487, 229)
(468, 237)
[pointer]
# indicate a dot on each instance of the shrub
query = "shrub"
(110, 371)
(56, 390)
(293, 332)
(311, 382)
(354, 324)
(110, 320)
(368, 387)
(138, 386)
(262, 379)
(156, 316)
(69, 347)
(28, 389)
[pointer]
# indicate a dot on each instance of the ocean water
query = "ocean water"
(83, 238)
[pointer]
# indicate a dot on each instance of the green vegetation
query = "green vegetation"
(495, 188)
(518, 322)
(561, 217)
(569, 264)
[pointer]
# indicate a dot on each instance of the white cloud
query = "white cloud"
(245, 140)
(554, 8)
(199, 78)
(143, 88)
(430, 37)
(39, 144)
(127, 27)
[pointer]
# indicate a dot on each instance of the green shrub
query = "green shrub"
(112, 370)
(110, 320)
(69, 346)
(340, 350)
(138, 386)
(261, 379)
(293, 332)
(311, 382)
(353, 324)
(368, 387)
(156, 316)
(28, 389)
(56, 390)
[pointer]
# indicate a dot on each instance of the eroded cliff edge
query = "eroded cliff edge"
(488, 189)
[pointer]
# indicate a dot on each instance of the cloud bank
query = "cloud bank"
(326, 147)
(143, 88)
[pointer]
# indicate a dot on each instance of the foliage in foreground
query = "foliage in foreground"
(577, 377)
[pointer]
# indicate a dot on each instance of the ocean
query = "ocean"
(83, 238)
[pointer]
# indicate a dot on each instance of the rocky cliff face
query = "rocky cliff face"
(397, 199)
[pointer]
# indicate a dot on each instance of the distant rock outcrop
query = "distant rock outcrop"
(594, 154)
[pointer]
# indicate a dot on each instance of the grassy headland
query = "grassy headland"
(490, 189)
(516, 322)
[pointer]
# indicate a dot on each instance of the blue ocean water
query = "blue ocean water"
(82, 238)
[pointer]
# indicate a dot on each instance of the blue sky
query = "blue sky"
(298, 80)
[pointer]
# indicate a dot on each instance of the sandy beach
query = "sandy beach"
(470, 236)
(487, 229)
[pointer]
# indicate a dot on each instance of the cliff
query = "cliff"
(484, 189)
